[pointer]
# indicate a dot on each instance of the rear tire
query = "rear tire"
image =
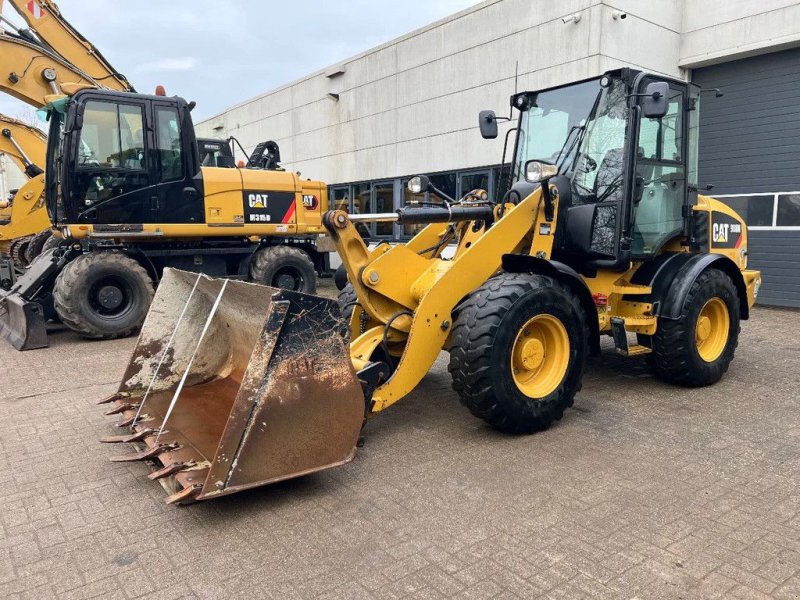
(284, 267)
(103, 295)
(36, 245)
(518, 351)
(348, 302)
(52, 242)
(697, 349)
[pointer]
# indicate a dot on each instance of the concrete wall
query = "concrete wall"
(10, 176)
(411, 105)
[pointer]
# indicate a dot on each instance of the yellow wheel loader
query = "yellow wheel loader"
(233, 385)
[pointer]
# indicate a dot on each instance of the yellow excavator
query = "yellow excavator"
(233, 385)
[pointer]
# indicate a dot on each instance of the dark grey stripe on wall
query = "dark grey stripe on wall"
(750, 138)
(777, 255)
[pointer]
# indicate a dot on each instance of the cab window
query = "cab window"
(168, 139)
(111, 137)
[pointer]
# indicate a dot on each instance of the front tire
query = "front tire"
(696, 349)
(103, 295)
(284, 267)
(518, 351)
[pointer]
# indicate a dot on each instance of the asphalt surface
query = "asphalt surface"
(643, 490)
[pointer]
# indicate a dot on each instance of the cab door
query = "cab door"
(660, 193)
(178, 196)
(111, 182)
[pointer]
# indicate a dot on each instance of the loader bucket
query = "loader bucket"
(233, 385)
(22, 323)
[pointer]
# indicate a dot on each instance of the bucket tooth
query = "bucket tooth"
(126, 439)
(170, 469)
(114, 397)
(153, 452)
(133, 420)
(186, 495)
(121, 408)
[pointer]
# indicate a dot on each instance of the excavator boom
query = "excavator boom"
(22, 143)
(45, 20)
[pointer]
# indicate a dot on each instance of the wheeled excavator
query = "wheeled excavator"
(604, 232)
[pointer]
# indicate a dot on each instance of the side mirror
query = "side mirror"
(655, 99)
(419, 184)
(487, 121)
(537, 171)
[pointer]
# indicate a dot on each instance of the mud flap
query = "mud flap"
(238, 385)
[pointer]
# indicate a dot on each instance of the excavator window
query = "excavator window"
(170, 155)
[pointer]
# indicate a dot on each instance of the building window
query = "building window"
(475, 180)
(340, 198)
(755, 210)
(788, 214)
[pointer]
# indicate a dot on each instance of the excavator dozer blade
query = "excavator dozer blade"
(22, 318)
(234, 385)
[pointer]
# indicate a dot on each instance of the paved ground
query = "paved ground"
(643, 490)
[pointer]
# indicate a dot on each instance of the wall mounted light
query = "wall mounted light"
(571, 18)
(334, 97)
(619, 15)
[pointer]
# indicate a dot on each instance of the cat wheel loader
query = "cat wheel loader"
(232, 385)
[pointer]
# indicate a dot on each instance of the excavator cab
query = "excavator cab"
(123, 158)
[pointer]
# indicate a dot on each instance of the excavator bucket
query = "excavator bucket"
(234, 385)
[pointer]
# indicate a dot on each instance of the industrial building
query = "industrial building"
(409, 106)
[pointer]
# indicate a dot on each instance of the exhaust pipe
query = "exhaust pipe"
(234, 385)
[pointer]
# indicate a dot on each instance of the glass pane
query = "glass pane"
(409, 197)
(788, 210)
(661, 180)
(474, 181)
(170, 156)
(445, 182)
(340, 198)
(384, 202)
(360, 198)
(99, 145)
(694, 129)
(755, 210)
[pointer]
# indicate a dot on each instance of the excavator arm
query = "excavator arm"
(47, 26)
(23, 144)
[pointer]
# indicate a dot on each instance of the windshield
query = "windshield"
(553, 122)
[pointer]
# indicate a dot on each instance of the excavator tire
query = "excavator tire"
(517, 318)
(712, 306)
(36, 245)
(103, 295)
(52, 242)
(284, 267)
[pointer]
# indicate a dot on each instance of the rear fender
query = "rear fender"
(672, 276)
(518, 263)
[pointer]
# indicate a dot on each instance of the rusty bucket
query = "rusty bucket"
(234, 385)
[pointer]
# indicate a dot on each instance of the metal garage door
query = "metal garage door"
(750, 152)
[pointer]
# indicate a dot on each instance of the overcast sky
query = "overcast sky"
(222, 52)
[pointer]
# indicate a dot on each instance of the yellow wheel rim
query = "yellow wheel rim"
(711, 329)
(540, 356)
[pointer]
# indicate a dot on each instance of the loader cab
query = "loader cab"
(620, 152)
(122, 159)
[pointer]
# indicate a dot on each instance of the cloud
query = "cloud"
(185, 63)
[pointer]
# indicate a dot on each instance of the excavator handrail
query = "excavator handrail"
(45, 20)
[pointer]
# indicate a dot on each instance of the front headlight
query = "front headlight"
(537, 171)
